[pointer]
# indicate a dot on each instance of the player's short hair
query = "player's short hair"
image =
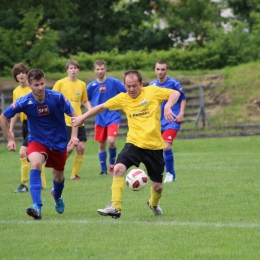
(35, 74)
(134, 72)
(72, 63)
(162, 62)
(19, 68)
(100, 63)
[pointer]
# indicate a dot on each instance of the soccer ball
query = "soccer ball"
(136, 179)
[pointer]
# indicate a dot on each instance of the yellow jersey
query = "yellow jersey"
(143, 116)
(75, 92)
(20, 92)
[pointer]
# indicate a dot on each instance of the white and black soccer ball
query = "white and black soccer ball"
(136, 179)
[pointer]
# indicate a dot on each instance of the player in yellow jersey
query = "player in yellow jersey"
(19, 73)
(144, 143)
(75, 91)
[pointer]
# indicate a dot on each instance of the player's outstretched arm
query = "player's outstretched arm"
(11, 146)
(76, 121)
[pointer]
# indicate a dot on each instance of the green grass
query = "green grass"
(212, 212)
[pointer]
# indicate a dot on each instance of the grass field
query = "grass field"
(212, 212)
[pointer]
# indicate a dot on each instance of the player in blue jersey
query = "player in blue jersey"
(106, 123)
(47, 140)
(169, 130)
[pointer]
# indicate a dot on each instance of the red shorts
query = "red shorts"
(54, 158)
(101, 132)
(169, 135)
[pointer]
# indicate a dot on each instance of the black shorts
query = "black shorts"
(82, 136)
(152, 159)
(25, 133)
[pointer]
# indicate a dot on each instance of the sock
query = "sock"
(58, 187)
(36, 186)
(25, 170)
(169, 162)
(103, 160)
(77, 163)
(44, 185)
(117, 192)
(112, 155)
(155, 198)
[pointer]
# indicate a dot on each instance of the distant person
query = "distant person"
(106, 123)
(169, 130)
(19, 73)
(75, 91)
(47, 140)
(144, 143)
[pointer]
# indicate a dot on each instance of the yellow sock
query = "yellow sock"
(117, 192)
(77, 163)
(25, 170)
(44, 185)
(155, 198)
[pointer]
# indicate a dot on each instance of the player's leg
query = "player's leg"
(56, 161)
(101, 136)
(122, 164)
(154, 163)
(36, 158)
(25, 165)
(78, 158)
(112, 132)
(168, 137)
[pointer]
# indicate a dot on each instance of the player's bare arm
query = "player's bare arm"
(74, 133)
(77, 121)
(180, 117)
(11, 146)
(12, 124)
(173, 98)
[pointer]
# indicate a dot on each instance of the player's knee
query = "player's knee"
(157, 187)
(119, 170)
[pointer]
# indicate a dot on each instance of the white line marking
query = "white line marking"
(121, 222)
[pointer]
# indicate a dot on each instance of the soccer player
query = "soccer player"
(75, 91)
(169, 130)
(106, 123)
(144, 143)
(47, 140)
(19, 73)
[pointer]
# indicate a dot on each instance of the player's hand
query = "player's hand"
(74, 141)
(76, 121)
(180, 118)
(169, 115)
(11, 146)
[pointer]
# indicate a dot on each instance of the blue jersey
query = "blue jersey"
(175, 85)
(99, 93)
(46, 121)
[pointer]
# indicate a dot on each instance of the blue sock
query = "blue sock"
(169, 162)
(36, 187)
(103, 160)
(58, 187)
(112, 155)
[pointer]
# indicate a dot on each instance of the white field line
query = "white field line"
(121, 222)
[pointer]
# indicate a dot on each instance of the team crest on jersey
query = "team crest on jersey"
(13, 106)
(144, 102)
(43, 110)
(78, 93)
(102, 88)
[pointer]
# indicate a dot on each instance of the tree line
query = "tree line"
(42, 33)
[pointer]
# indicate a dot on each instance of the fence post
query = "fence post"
(202, 112)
